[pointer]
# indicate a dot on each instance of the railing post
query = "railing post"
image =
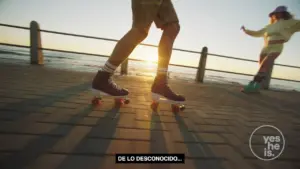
(201, 67)
(266, 82)
(124, 67)
(36, 54)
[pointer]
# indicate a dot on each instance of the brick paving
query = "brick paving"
(47, 122)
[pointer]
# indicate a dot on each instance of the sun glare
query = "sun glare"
(150, 60)
(147, 54)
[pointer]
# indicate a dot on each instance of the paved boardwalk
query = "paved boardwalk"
(47, 122)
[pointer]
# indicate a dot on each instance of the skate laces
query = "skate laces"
(169, 90)
(166, 87)
(113, 84)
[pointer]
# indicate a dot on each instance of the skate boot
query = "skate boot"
(161, 92)
(252, 87)
(103, 85)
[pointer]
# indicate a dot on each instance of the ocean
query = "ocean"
(80, 62)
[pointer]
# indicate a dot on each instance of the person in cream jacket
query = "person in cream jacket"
(281, 28)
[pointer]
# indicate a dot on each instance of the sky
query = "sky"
(214, 23)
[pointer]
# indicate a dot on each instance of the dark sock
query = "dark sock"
(259, 77)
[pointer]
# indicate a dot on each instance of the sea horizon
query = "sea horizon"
(81, 62)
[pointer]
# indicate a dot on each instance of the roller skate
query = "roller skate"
(252, 87)
(161, 93)
(104, 86)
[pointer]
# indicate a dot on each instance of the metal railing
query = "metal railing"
(37, 55)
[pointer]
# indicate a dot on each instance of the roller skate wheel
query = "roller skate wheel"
(127, 101)
(182, 108)
(175, 108)
(119, 101)
(154, 106)
(96, 101)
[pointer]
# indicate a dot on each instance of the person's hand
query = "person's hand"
(243, 28)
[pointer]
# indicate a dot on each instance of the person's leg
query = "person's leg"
(268, 55)
(168, 21)
(262, 56)
(265, 66)
(266, 61)
(170, 31)
(143, 16)
(124, 48)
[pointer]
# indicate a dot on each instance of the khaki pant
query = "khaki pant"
(268, 56)
(144, 12)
